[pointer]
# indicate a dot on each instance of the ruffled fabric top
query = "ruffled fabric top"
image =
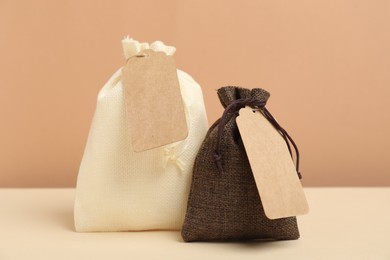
(132, 47)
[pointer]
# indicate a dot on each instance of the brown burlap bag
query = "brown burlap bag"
(225, 205)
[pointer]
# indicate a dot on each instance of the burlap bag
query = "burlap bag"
(122, 190)
(226, 205)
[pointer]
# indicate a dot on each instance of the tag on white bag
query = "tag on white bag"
(153, 100)
(276, 178)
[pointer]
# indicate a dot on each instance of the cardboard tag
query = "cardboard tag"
(153, 100)
(276, 178)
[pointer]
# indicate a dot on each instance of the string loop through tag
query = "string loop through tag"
(255, 104)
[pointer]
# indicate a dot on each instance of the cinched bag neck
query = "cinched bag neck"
(132, 47)
(235, 98)
(230, 94)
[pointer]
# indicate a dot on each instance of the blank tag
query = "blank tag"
(276, 178)
(153, 100)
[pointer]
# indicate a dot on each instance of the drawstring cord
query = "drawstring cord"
(170, 156)
(254, 103)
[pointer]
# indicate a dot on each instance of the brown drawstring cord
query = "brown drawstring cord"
(235, 106)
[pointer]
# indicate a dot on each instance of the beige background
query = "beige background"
(326, 64)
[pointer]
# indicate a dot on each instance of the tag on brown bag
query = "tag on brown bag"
(153, 100)
(276, 178)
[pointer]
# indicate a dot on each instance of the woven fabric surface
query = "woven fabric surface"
(121, 190)
(226, 205)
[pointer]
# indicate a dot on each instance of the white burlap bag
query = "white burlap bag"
(121, 190)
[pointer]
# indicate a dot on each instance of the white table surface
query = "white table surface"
(343, 223)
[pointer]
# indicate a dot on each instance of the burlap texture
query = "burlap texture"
(226, 205)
